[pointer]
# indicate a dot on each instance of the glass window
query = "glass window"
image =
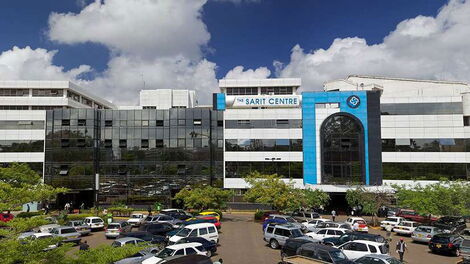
(202, 231)
(190, 251)
(372, 249)
(422, 108)
(108, 123)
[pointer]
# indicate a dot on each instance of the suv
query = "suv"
(160, 229)
(446, 243)
(336, 241)
(303, 216)
(292, 246)
(324, 253)
(282, 219)
(277, 235)
(455, 224)
(114, 229)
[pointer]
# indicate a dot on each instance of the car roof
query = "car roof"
(63, 227)
(93, 217)
(286, 226)
(319, 246)
(379, 256)
(280, 215)
(199, 225)
(41, 234)
(125, 239)
(368, 242)
(184, 245)
(407, 221)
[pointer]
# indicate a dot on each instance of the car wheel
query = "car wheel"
(274, 244)
(457, 253)
(209, 253)
(283, 256)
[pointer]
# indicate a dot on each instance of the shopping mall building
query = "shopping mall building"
(362, 130)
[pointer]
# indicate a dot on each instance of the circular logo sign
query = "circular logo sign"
(353, 101)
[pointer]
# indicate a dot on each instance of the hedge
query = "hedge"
(28, 214)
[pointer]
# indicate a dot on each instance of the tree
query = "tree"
(369, 201)
(273, 191)
(443, 198)
(204, 197)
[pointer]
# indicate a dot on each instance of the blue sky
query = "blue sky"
(224, 34)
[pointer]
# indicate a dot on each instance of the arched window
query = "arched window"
(342, 150)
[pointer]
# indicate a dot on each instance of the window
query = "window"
(422, 108)
(263, 123)
(108, 123)
(159, 143)
(64, 170)
(202, 231)
(48, 92)
(73, 96)
(81, 122)
(220, 123)
(81, 143)
(466, 120)
(190, 251)
(322, 232)
(123, 143)
(65, 143)
(108, 143)
(65, 122)
(360, 247)
(372, 249)
(193, 233)
(14, 92)
(269, 229)
(197, 122)
(144, 143)
(276, 90)
(425, 171)
(159, 123)
(211, 229)
(282, 122)
(179, 252)
(242, 91)
(323, 255)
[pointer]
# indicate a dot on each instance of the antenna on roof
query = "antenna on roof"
(143, 80)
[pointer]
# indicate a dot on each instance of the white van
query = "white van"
(204, 230)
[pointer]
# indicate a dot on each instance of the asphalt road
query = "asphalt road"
(241, 242)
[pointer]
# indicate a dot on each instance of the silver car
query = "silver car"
(424, 234)
(69, 234)
(80, 226)
(161, 218)
(120, 242)
(276, 235)
(140, 256)
(114, 229)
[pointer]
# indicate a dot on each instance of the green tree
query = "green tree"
(443, 198)
(369, 201)
(103, 254)
(204, 197)
(273, 191)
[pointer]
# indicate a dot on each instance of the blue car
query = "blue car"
(209, 246)
(275, 219)
(273, 222)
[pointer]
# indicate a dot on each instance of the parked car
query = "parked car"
(120, 242)
(147, 237)
(466, 233)
(392, 211)
(136, 219)
(351, 236)
(172, 210)
(326, 233)
(140, 256)
(391, 221)
(160, 229)
(324, 253)
(330, 224)
(302, 216)
(446, 243)
(454, 224)
(377, 259)
(189, 259)
(277, 235)
(204, 230)
(6, 217)
(179, 249)
(96, 223)
(31, 236)
(186, 223)
(267, 214)
(161, 218)
(312, 224)
(424, 234)
(412, 215)
(292, 245)
(282, 219)
(210, 213)
(178, 215)
(405, 227)
(465, 249)
(67, 233)
(80, 226)
(359, 248)
(114, 229)
(361, 224)
(47, 228)
(209, 246)
(211, 219)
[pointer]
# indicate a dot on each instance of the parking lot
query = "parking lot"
(241, 241)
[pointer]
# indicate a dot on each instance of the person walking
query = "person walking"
(84, 246)
(149, 209)
(333, 215)
(401, 248)
(46, 209)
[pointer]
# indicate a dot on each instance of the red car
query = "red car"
(414, 216)
(212, 219)
(5, 217)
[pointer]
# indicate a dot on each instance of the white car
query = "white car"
(176, 250)
(312, 224)
(47, 228)
(391, 221)
(207, 231)
(94, 222)
(34, 236)
(358, 224)
(359, 248)
(405, 227)
(327, 232)
(136, 219)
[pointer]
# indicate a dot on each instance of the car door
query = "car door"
(213, 234)
(190, 251)
(354, 250)
(330, 233)
(179, 252)
(320, 234)
(203, 233)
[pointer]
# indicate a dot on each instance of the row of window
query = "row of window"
(140, 143)
(263, 90)
(426, 145)
(21, 124)
(35, 166)
(264, 123)
(21, 145)
(159, 123)
(422, 108)
(14, 92)
(284, 169)
(263, 145)
(425, 171)
(14, 107)
(48, 92)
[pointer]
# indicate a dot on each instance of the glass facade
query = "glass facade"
(239, 169)
(426, 171)
(422, 108)
(342, 150)
(141, 156)
(21, 145)
(263, 145)
(426, 145)
(263, 123)
(21, 124)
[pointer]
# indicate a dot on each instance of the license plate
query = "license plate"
(438, 246)
(420, 235)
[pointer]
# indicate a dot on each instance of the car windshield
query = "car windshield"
(337, 255)
(440, 239)
(166, 252)
(135, 216)
(423, 229)
(183, 232)
(96, 220)
(113, 226)
(296, 233)
(391, 219)
(79, 223)
(68, 230)
(148, 218)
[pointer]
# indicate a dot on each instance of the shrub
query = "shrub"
(28, 214)
(259, 215)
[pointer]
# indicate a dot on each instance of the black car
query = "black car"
(324, 253)
(178, 215)
(446, 243)
(346, 237)
(160, 229)
(454, 224)
(146, 236)
(209, 246)
(292, 245)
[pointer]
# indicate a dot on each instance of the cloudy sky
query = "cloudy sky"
(113, 47)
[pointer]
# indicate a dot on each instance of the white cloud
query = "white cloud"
(239, 73)
(34, 64)
(422, 47)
